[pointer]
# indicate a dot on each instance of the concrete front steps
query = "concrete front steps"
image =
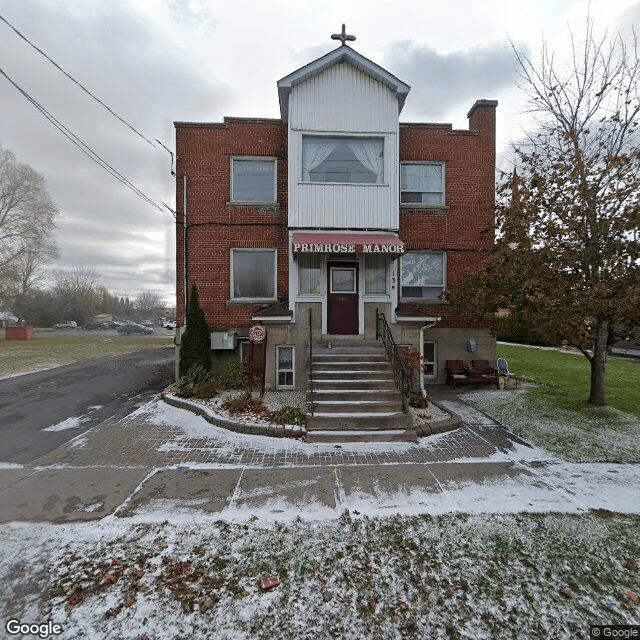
(355, 397)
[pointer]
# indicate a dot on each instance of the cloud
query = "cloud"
(126, 61)
(443, 81)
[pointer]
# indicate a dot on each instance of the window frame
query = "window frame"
(275, 275)
(424, 205)
(292, 370)
(437, 299)
(369, 256)
(299, 269)
(351, 136)
(354, 270)
(273, 159)
(433, 362)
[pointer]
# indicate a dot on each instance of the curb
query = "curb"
(439, 426)
(292, 431)
(252, 428)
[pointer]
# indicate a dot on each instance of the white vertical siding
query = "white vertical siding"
(343, 100)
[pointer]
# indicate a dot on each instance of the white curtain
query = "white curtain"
(314, 152)
(369, 153)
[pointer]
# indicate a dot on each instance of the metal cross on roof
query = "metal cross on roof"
(342, 36)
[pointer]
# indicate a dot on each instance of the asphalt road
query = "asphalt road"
(85, 394)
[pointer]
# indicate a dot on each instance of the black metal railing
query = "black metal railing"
(403, 378)
(310, 362)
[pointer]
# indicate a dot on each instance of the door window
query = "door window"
(343, 280)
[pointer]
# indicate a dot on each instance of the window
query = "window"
(422, 183)
(285, 357)
(375, 273)
(422, 274)
(253, 274)
(243, 348)
(253, 179)
(343, 280)
(349, 160)
(309, 273)
(429, 359)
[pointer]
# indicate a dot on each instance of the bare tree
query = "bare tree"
(568, 263)
(27, 211)
(149, 303)
(23, 274)
(79, 292)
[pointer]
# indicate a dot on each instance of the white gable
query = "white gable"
(343, 98)
(343, 55)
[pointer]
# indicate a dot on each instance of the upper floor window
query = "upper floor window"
(422, 274)
(253, 179)
(422, 183)
(341, 159)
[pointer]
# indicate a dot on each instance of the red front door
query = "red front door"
(342, 298)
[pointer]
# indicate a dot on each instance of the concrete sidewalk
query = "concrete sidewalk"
(162, 461)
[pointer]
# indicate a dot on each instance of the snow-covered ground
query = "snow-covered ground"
(594, 434)
(394, 566)
(358, 578)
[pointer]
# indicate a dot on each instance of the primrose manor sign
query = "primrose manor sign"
(346, 248)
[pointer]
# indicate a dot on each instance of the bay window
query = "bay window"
(342, 160)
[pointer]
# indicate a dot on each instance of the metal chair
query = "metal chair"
(503, 371)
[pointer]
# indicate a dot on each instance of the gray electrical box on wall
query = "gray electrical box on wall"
(223, 340)
(471, 345)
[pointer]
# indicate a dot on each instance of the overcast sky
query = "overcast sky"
(157, 61)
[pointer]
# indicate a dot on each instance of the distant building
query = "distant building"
(340, 210)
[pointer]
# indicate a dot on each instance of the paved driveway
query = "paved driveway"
(40, 411)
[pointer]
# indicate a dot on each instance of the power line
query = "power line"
(57, 66)
(78, 142)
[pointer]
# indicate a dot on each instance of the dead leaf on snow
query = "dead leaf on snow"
(633, 596)
(269, 582)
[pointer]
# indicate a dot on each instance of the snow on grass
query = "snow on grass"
(500, 576)
(591, 434)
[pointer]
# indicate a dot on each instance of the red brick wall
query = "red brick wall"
(204, 152)
(465, 230)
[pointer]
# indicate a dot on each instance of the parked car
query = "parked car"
(67, 324)
(132, 327)
(169, 324)
(146, 323)
(101, 326)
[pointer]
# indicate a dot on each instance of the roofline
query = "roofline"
(343, 53)
(226, 120)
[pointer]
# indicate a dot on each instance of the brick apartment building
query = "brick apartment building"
(339, 208)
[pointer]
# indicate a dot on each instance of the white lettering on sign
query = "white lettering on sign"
(347, 248)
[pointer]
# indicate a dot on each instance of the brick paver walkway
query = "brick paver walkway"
(139, 441)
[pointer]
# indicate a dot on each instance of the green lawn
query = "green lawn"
(555, 415)
(17, 356)
(566, 377)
